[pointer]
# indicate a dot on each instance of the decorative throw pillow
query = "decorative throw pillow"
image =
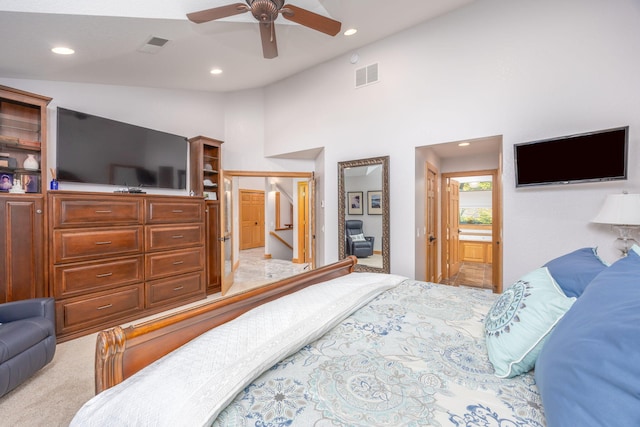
(575, 270)
(588, 372)
(358, 238)
(520, 320)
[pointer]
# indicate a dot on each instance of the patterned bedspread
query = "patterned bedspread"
(413, 356)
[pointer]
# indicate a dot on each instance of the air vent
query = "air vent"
(153, 45)
(367, 75)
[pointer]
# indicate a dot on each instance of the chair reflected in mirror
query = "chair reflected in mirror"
(357, 243)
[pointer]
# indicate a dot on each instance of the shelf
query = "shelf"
(18, 144)
(19, 123)
(210, 172)
(20, 171)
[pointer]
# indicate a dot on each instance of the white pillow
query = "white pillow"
(518, 323)
(358, 238)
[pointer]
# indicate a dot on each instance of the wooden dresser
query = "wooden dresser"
(114, 258)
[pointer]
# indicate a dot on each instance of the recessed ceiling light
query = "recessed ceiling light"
(216, 71)
(63, 50)
(464, 144)
(350, 32)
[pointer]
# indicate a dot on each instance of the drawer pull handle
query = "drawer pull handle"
(179, 288)
(178, 262)
(105, 306)
(104, 211)
(108, 242)
(178, 236)
(177, 211)
(104, 275)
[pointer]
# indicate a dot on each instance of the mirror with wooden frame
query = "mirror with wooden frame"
(363, 212)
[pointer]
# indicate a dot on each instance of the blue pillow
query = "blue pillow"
(588, 371)
(519, 321)
(575, 270)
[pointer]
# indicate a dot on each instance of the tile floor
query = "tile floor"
(254, 270)
(472, 274)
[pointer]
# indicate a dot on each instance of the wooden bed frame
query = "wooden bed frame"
(121, 352)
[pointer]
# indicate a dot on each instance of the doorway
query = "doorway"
(270, 229)
(471, 225)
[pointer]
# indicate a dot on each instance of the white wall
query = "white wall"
(524, 70)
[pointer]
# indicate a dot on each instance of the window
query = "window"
(479, 216)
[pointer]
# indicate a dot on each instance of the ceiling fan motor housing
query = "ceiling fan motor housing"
(265, 10)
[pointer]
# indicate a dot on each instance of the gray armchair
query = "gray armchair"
(357, 243)
(27, 340)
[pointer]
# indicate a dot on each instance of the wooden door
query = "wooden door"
(303, 223)
(226, 237)
(311, 217)
(21, 249)
(453, 231)
(251, 219)
(214, 271)
(431, 233)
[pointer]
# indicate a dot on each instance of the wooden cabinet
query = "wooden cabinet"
(471, 251)
(23, 125)
(206, 165)
(119, 257)
(21, 248)
(23, 135)
(205, 155)
(174, 251)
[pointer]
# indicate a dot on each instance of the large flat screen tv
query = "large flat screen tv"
(585, 157)
(97, 150)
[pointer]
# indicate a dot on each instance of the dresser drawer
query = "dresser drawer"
(75, 212)
(160, 211)
(174, 289)
(162, 237)
(81, 278)
(79, 313)
(75, 245)
(162, 264)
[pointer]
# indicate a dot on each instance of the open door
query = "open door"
(226, 239)
(304, 232)
(311, 254)
(454, 227)
(431, 233)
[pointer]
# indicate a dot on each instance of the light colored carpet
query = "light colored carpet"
(53, 395)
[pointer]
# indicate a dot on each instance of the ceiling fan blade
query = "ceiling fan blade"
(311, 19)
(217, 13)
(268, 36)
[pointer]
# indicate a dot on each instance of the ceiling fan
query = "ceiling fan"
(266, 12)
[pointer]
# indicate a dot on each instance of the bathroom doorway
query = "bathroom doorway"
(471, 229)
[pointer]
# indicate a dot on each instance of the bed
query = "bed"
(336, 347)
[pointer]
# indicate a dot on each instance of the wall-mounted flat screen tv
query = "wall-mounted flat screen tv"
(586, 157)
(97, 150)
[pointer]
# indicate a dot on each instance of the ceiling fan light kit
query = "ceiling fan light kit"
(266, 12)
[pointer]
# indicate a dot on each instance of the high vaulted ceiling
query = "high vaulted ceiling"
(107, 36)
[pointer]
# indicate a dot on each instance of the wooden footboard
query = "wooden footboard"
(121, 352)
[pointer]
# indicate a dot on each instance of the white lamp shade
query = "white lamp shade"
(620, 209)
